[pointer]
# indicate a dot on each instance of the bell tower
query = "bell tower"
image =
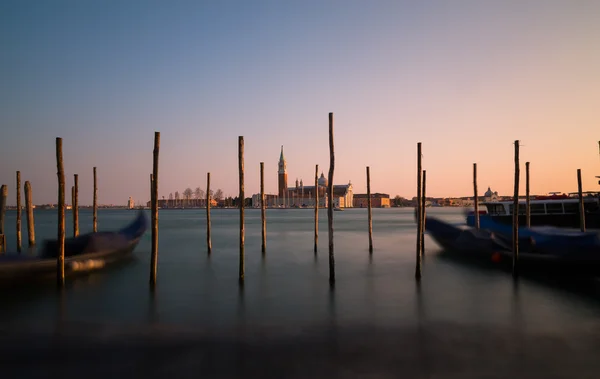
(282, 174)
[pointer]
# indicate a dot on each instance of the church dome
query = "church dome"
(322, 180)
(489, 193)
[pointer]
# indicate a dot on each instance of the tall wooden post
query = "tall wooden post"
(208, 241)
(154, 201)
(475, 198)
(263, 207)
(29, 210)
(370, 215)
(581, 205)
(3, 197)
(75, 206)
(330, 201)
(423, 202)
(19, 211)
(60, 257)
(527, 198)
(241, 198)
(316, 207)
(95, 205)
(516, 214)
(419, 223)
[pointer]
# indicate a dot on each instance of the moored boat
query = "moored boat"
(551, 251)
(84, 253)
(553, 210)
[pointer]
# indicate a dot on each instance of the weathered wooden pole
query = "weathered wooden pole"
(241, 198)
(418, 212)
(95, 205)
(3, 196)
(208, 241)
(423, 202)
(60, 257)
(370, 216)
(581, 205)
(263, 216)
(29, 210)
(154, 205)
(475, 198)
(75, 205)
(330, 201)
(19, 211)
(316, 207)
(516, 214)
(527, 197)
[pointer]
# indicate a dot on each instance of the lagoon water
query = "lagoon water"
(286, 321)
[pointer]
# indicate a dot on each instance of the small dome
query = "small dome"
(322, 180)
(489, 193)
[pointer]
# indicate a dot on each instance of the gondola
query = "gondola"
(538, 252)
(84, 253)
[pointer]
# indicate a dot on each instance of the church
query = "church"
(304, 196)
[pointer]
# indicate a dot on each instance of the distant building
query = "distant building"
(378, 200)
(304, 196)
(130, 203)
(172, 203)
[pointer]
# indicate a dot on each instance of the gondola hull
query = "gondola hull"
(490, 248)
(83, 254)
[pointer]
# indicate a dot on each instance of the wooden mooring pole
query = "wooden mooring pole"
(516, 214)
(208, 241)
(423, 202)
(60, 257)
(475, 198)
(29, 213)
(418, 212)
(263, 208)
(3, 197)
(527, 197)
(75, 205)
(330, 201)
(316, 207)
(95, 205)
(581, 205)
(241, 201)
(19, 211)
(154, 206)
(370, 216)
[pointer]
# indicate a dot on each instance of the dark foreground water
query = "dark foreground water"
(286, 321)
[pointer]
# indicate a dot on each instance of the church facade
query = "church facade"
(305, 196)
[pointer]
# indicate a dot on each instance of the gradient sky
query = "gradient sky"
(465, 78)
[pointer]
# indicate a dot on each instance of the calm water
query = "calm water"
(460, 320)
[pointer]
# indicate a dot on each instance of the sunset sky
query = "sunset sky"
(465, 78)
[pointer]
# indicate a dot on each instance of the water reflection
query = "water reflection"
(153, 316)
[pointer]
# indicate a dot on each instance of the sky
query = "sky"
(466, 78)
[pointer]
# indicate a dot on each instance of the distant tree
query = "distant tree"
(397, 201)
(187, 195)
(199, 195)
(176, 198)
(218, 195)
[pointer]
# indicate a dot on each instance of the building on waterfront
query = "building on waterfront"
(304, 196)
(192, 203)
(270, 200)
(378, 200)
(130, 203)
